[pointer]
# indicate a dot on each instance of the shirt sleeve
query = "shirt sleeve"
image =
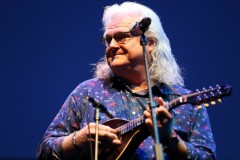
(66, 121)
(201, 145)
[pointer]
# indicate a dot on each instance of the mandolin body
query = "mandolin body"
(130, 140)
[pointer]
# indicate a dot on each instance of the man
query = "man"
(120, 84)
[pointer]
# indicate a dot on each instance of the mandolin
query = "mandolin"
(132, 133)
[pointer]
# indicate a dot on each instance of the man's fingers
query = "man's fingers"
(160, 101)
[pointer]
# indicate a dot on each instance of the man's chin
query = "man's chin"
(118, 65)
(116, 62)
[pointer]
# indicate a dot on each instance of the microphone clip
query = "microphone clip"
(101, 107)
(140, 27)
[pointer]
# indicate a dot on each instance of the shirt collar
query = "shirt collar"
(159, 89)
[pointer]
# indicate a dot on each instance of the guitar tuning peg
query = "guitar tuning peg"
(210, 87)
(219, 100)
(217, 86)
(213, 102)
(206, 104)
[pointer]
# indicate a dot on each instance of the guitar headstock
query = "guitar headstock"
(210, 95)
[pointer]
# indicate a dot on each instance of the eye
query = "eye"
(108, 39)
(120, 37)
(128, 35)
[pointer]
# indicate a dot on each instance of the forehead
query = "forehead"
(121, 24)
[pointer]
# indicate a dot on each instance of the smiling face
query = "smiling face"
(125, 59)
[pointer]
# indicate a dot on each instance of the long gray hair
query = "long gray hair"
(163, 67)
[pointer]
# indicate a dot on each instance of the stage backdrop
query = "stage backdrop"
(47, 48)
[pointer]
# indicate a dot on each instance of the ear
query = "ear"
(151, 44)
(151, 41)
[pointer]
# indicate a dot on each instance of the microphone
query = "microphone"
(140, 27)
(102, 108)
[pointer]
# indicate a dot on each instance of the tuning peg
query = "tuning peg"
(219, 92)
(206, 104)
(219, 100)
(199, 98)
(212, 94)
(217, 86)
(213, 102)
(199, 91)
(205, 96)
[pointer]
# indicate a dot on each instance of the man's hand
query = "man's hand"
(107, 136)
(164, 120)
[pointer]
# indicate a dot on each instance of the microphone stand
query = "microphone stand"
(97, 119)
(158, 146)
(99, 108)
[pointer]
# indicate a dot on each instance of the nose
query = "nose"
(111, 50)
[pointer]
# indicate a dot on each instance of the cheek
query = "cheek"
(107, 52)
(108, 55)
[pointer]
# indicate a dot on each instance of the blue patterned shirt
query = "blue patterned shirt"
(189, 122)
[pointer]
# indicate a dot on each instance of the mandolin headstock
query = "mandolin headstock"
(205, 96)
(210, 95)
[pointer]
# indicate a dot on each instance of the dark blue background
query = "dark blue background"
(46, 48)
